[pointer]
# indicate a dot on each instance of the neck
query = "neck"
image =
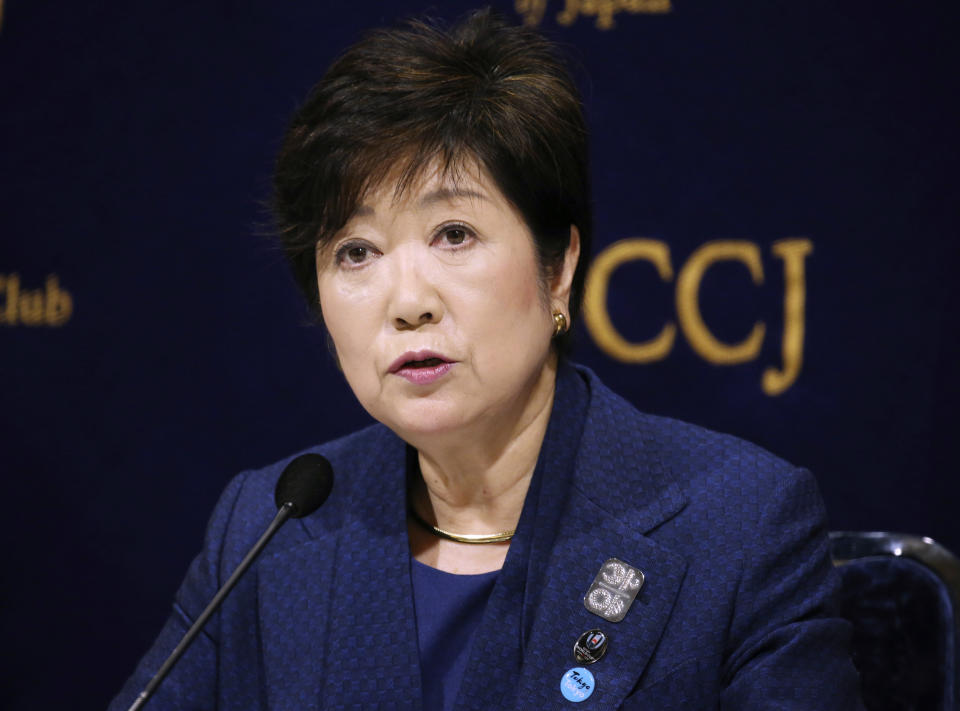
(476, 483)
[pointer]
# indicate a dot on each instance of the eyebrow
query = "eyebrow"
(431, 198)
(448, 194)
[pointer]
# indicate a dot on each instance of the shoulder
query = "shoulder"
(345, 454)
(707, 470)
(750, 530)
(247, 506)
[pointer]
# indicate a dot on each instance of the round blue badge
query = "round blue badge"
(577, 685)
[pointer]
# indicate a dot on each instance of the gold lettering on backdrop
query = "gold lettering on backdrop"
(530, 10)
(595, 300)
(10, 288)
(699, 336)
(793, 252)
(50, 306)
(533, 11)
(31, 307)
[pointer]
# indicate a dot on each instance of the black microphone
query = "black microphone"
(304, 485)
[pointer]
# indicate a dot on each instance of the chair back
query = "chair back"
(902, 595)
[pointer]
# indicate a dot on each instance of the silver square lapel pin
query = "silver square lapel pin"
(613, 590)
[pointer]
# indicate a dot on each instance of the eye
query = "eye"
(353, 254)
(356, 254)
(454, 236)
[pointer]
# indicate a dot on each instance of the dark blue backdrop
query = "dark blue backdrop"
(153, 344)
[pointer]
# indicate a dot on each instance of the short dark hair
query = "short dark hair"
(422, 95)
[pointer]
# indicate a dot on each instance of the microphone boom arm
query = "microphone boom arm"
(283, 513)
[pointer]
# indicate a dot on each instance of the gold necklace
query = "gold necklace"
(462, 537)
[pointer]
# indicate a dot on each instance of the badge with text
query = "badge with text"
(590, 647)
(613, 590)
(577, 685)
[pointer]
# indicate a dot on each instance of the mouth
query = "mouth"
(418, 360)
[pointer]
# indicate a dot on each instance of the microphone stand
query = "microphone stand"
(283, 513)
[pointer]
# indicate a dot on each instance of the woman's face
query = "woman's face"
(437, 309)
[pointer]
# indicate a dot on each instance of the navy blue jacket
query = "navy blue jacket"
(734, 612)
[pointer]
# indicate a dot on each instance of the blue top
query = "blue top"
(448, 610)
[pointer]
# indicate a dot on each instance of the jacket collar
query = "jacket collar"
(336, 608)
(619, 489)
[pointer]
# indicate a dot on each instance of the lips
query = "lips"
(421, 367)
(418, 359)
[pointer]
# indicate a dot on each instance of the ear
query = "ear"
(562, 280)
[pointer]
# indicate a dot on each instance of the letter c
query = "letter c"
(595, 300)
(688, 302)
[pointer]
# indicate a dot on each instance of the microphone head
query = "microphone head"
(305, 484)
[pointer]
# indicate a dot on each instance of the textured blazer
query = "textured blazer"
(734, 612)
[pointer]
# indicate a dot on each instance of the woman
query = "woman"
(513, 535)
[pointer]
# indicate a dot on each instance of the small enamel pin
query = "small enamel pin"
(590, 647)
(613, 590)
(577, 685)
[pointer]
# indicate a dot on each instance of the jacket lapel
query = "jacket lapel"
(293, 589)
(616, 491)
(587, 538)
(336, 611)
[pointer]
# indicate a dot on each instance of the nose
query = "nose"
(415, 300)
